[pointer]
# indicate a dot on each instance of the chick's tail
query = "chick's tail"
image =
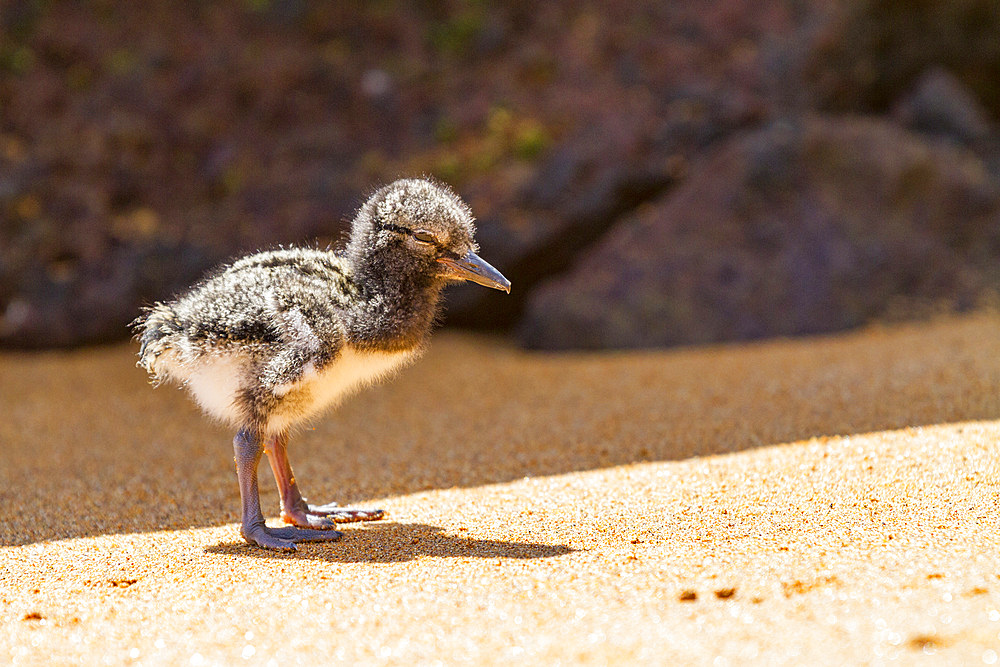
(155, 329)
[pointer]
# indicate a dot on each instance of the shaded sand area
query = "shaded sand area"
(825, 501)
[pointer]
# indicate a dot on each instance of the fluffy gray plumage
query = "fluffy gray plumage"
(271, 319)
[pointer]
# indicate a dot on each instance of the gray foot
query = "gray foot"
(285, 538)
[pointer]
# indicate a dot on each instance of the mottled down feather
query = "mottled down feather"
(274, 337)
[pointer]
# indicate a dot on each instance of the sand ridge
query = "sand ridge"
(822, 501)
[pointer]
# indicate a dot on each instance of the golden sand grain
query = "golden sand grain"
(826, 501)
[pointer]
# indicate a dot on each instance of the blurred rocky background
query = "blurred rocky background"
(646, 173)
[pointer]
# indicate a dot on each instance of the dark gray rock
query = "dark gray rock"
(575, 196)
(940, 105)
(806, 226)
(75, 301)
(270, 123)
(868, 53)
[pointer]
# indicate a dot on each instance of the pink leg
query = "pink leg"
(294, 508)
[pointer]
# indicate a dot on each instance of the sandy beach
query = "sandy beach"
(825, 501)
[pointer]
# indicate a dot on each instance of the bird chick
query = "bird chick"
(272, 339)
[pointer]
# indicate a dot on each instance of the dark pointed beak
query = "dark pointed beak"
(472, 267)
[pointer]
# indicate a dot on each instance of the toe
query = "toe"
(348, 515)
(262, 537)
(338, 514)
(321, 522)
(303, 520)
(323, 510)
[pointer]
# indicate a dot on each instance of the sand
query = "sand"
(825, 501)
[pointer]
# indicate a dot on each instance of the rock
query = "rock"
(78, 301)
(940, 105)
(581, 189)
(570, 203)
(806, 226)
(266, 123)
(253, 124)
(870, 52)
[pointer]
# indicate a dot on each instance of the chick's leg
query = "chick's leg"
(248, 449)
(294, 508)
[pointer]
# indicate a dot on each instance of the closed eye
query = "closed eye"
(421, 235)
(425, 237)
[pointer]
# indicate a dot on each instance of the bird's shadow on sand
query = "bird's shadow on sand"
(397, 543)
